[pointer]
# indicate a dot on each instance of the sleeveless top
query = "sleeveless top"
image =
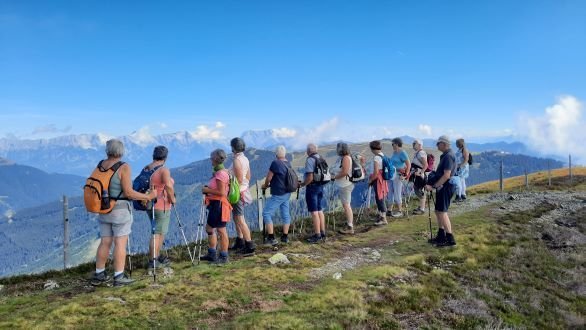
(162, 203)
(115, 185)
(245, 166)
(345, 181)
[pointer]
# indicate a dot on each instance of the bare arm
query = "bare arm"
(374, 174)
(308, 179)
(220, 191)
(126, 183)
(346, 164)
(238, 171)
(166, 178)
(268, 179)
(408, 167)
(466, 155)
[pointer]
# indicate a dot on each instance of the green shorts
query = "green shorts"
(162, 218)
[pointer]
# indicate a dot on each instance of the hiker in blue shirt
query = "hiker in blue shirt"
(440, 180)
(400, 160)
(314, 195)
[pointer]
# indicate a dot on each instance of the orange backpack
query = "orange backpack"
(96, 194)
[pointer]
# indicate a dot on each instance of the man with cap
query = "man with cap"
(440, 181)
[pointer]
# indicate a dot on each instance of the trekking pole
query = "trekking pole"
(332, 206)
(129, 258)
(199, 235)
(191, 257)
(153, 229)
(264, 229)
(429, 215)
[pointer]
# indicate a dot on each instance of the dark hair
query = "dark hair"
(398, 142)
(376, 145)
(237, 144)
(342, 149)
(160, 153)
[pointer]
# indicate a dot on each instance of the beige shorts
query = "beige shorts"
(346, 193)
(118, 222)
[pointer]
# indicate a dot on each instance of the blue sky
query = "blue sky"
(358, 68)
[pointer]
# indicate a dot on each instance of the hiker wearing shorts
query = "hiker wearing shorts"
(344, 185)
(275, 179)
(440, 181)
(241, 170)
(162, 181)
(314, 195)
(115, 226)
(462, 170)
(379, 185)
(418, 174)
(219, 208)
(402, 164)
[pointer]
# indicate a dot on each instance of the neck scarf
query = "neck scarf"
(218, 168)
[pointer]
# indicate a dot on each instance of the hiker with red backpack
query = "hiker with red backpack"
(115, 214)
(400, 161)
(378, 182)
(161, 180)
(219, 209)
(418, 176)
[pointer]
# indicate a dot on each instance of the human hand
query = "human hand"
(428, 187)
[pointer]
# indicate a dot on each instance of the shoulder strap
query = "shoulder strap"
(116, 166)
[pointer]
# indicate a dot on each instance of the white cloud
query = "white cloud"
(424, 129)
(220, 125)
(324, 132)
(163, 125)
(142, 136)
(50, 129)
(284, 132)
(559, 131)
(205, 133)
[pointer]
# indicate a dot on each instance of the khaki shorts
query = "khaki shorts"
(118, 222)
(346, 193)
(162, 218)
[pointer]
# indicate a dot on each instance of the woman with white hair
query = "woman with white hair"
(115, 227)
(275, 179)
(344, 185)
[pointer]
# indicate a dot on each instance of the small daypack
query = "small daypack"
(430, 162)
(234, 190)
(142, 184)
(358, 172)
(388, 168)
(96, 195)
(291, 179)
(321, 172)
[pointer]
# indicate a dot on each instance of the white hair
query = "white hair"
(114, 148)
(281, 151)
(311, 148)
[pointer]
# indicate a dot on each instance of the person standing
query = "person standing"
(241, 170)
(314, 194)
(463, 169)
(219, 208)
(399, 160)
(345, 186)
(275, 179)
(379, 185)
(163, 183)
(418, 176)
(116, 225)
(440, 181)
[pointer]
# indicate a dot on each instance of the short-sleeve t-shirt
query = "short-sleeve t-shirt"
(447, 162)
(398, 159)
(224, 177)
(378, 159)
(279, 169)
(310, 164)
(417, 157)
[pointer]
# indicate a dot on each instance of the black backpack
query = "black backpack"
(321, 172)
(358, 172)
(291, 179)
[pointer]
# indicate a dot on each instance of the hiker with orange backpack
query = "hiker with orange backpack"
(115, 213)
(219, 209)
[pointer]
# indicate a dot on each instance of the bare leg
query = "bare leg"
(269, 228)
(223, 237)
(103, 252)
(286, 229)
(349, 213)
(322, 221)
(316, 222)
(242, 228)
(212, 239)
(120, 253)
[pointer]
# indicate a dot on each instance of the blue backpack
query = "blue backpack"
(142, 183)
(388, 168)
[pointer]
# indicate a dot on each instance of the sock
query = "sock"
(212, 251)
(223, 254)
(99, 270)
(118, 273)
(271, 236)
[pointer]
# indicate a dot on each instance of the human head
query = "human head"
(460, 143)
(218, 157)
(281, 151)
(443, 143)
(160, 153)
(375, 146)
(397, 143)
(114, 148)
(342, 149)
(237, 145)
(417, 145)
(311, 149)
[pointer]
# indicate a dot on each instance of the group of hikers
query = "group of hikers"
(115, 195)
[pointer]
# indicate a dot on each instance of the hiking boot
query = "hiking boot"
(271, 242)
(221, 260)
(347, 230)
(397, 214)
(314, 239)
(381, 222)
(448, 241)
(463, 198)
(389, 213)
(439, 237)
(249, 249)
(285, 239)
(418, 211)
(164, 261)
(122, 280)
(238, 244)
(458, 199)
(211, 257)
(100, 279)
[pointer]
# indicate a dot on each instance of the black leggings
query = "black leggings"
(380, 202)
